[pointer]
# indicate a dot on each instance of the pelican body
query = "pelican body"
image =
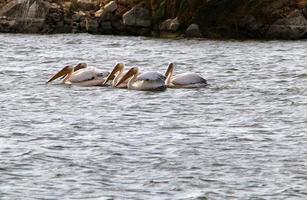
(80, 75)
(185, 80)
(116, 74)
(149, 81)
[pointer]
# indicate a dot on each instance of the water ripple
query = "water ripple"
(241, 138)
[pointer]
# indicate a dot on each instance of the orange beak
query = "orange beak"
(130, 73)
(66, 70)
(118, 67)
(170, 69)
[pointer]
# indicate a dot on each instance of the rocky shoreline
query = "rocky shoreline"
(242, 19)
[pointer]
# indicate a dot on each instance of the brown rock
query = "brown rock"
(138, 16)
(293, 26)
(110, 7)
(170, 25)
(77, 16)
(91, 25)
(86, 5)
(193, 31)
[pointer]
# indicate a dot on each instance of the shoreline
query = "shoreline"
(164, 38)
(218, 20)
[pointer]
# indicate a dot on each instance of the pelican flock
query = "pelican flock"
(132, 79)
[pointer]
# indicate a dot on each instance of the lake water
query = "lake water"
(244, 137)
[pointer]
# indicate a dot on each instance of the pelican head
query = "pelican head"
(134, 71)
(80, 66)
(62, 73)
(119, 68)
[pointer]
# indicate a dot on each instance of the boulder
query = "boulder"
(105, 12)
(193, 31)
(100, 13)
(77, 16)
(67, 6)
(293, 26)
(170, 25)
(106, 28)
(305, 12)
(251, 27)
(91, 25)
(138, 31)
(118, 26)
(54, 7)
(110, 7)
(138, 17)
(7, 25)
(86, 5)
(55, 17)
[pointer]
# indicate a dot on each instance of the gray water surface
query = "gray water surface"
(244, 137)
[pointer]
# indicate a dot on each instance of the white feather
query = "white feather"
(187, 78)
(151, 76)
(86, 74)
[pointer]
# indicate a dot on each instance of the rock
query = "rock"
(9, 7)
(100, 13)
(67, 20)
(91, 25)
(77, 16)
(294, 26)
(118, 26)
(170, 25)
(86, 5)
(7, 25)
(110, 7)
(54, 7)
(305, 12)
(193, 31)
(75, 27)
(252, 27)
(138, 17)
(106, 10)
(55, 17)
(67, 6)
(106, 28)
(138, 31)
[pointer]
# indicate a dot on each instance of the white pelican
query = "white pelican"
(149, 81)
(185, 80)
(116, 74)
(81, 75)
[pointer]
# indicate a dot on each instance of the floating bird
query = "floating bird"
(81, 75)
(149, 81)
(116, 74)
(185, 80)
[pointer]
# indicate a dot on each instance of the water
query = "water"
(244, 137)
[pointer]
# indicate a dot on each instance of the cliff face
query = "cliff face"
(260, 19)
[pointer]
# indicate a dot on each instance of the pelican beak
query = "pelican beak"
(118, 67)
(129, 74)
(170, 69)
(66, 70)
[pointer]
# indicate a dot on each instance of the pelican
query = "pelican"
(185, 80)
(116, 74)
(80, 75)
(149, 81)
